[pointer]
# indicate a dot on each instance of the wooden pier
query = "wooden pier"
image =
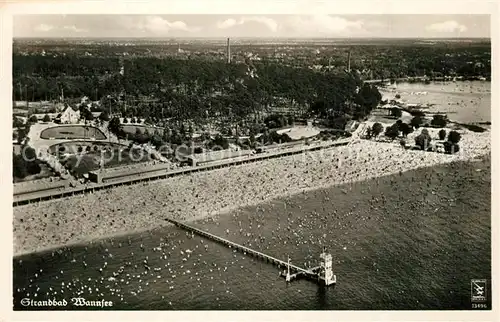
(321, 274)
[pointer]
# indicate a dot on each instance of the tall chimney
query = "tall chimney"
(228, 49)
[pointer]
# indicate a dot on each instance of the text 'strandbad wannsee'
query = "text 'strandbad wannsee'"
(75, 301)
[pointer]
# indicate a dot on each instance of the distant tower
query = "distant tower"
(179, 50)
(326, 268)
(228, 53)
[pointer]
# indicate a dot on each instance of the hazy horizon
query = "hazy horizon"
(254, 37)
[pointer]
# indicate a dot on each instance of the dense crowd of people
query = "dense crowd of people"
(142, 207)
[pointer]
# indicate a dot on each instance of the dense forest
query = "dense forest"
(185, 88)
(441, 59)
(382, 58)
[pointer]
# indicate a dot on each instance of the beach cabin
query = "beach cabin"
(212, 156)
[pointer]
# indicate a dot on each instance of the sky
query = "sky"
(214, 26)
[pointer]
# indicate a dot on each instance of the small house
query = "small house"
(69, 116)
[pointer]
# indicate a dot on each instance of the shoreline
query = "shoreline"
(210, 194)
(223, 212)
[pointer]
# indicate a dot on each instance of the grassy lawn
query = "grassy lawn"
(81, 164)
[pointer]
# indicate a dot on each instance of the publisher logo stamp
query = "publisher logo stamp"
(478, 290)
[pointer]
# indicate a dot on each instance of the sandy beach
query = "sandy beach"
(144, 206)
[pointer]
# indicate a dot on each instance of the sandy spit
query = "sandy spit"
(143, 207)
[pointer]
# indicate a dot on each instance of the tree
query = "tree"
(33, 119)
(125, 120)
(369, 133)
(405, 129)
(19, 166)
(190, 130)
(396, 112)
(439, 120)
(89, 116)
(175, 138)
(442, 134)
(367, 98)
(16, 122)
(182, 131)
(21, 134)
(454, 137)
(283, 121)
(317, 109)
(252, 140)
(418, 113)
(104, 116)
(165, 137)
(275, 121)
(156, 140)
(85, 113)
(416, 121)
(392, 131)
(46, 118)
(377, 128)
(423, 140)
(450, 147)
(115, 126)
(220, 142)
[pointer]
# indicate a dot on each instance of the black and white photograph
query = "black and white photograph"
(251, 162)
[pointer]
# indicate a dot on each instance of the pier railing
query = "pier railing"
(312, 272)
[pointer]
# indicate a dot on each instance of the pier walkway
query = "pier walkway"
(311, 272)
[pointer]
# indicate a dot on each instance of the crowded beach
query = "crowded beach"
(142, 207)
